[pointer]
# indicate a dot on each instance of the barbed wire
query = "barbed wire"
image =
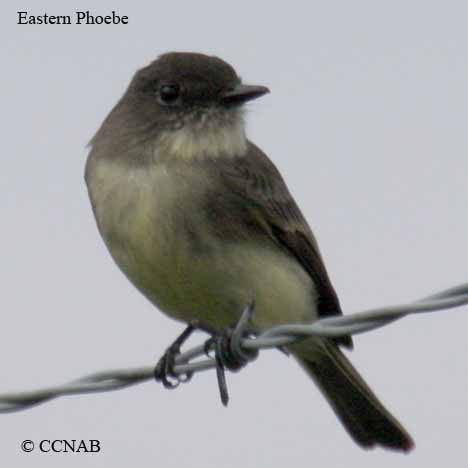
(275, 337)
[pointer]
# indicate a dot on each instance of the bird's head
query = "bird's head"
(193, 104)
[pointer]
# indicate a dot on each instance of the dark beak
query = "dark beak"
(242, 93)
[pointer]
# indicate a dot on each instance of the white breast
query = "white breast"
(213, 133)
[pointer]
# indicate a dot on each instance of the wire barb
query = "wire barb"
(241, 345)
(229, 353)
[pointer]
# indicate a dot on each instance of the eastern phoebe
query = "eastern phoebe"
(200, 221)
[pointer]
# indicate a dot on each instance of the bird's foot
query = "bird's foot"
(164, 370)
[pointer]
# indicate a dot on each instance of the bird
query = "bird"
(201, 221)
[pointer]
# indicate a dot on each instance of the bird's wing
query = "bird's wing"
(271, 210)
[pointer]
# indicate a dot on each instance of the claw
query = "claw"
(165, 366)
(165, 369)
(208, 346)
(228, 353)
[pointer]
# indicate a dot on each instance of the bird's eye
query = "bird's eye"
(169, 93)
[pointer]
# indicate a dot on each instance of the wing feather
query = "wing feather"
(272, 211)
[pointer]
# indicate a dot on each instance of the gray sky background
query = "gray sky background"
(367, 122)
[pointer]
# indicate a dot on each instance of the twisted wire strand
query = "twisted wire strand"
(361, 322)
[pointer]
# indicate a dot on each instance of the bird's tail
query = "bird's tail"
(367, 421)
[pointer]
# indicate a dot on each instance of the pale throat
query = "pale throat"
(211, 133)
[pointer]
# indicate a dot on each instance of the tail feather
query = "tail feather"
(367, 421)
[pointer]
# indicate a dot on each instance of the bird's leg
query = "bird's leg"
(165, 366)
